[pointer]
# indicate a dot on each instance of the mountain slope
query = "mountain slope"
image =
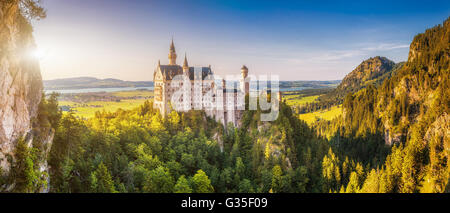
(373, 70)
(411, 109)
(421, 87)
(417, 93)
(368, 71)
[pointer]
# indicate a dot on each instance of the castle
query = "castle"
(201, 91)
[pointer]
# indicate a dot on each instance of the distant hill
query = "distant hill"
(90, 82)
(371, 71)
(368, 71)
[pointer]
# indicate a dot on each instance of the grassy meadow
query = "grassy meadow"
(296, 99)
(132, 99)
(136, 93)
(128, 100)
(323, 114)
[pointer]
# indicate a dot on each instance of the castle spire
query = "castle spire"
(185, 64)
(172, 54)
(172, 46)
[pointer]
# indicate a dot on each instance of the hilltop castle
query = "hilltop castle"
(204, 93)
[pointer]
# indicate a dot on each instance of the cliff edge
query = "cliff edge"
(20, 87)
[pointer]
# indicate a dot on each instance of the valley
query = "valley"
(85, 105)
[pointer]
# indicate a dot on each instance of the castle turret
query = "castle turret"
(245, 86)
(185, 65)
(244, 71)
(172, 54)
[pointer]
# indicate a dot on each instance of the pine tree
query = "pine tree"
(101, 181)
(353, 184)
(245, 186)
(277, 175)
(159, 180)
(182, 186)
(201, 183)
(371, 184)
(23, 169)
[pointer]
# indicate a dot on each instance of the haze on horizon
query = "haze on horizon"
(296, 40)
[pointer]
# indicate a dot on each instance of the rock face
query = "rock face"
(20, 82)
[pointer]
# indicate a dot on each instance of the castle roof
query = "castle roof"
(170, 71)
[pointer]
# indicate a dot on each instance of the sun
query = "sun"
(37, 53)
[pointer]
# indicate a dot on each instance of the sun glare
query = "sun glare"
(38, 54)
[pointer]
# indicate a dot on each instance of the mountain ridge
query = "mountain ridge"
(92, 82)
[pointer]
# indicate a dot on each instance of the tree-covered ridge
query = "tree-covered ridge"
(410, 111)
(419, 92)
(368, 71)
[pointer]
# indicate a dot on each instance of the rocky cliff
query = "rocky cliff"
(20, 86)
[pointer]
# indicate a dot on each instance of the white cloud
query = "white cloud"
(339, 56)
(386, 46)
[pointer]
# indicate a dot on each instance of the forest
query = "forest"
(139, 151)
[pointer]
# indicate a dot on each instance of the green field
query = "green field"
(324, 114)
(88, 109)
(140, 93)
(297, 100)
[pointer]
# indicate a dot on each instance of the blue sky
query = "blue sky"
(298, 40)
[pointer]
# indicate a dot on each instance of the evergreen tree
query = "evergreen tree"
(23, 172)
(159, 180)
(182, 186)
(277, 175)
(101, 181)
(201, 183)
